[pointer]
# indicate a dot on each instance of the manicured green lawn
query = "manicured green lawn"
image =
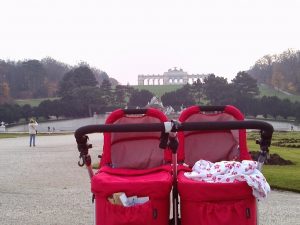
(12, 135)
(15, 135)
(282, 177)
(158, 90)
(32, 102)
(268, 91)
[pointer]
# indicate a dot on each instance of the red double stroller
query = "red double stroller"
(140, 159)
(213, 203)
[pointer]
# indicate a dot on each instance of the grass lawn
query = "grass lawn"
(15, 135)
(269, 91)
(32, 102)
(282, 177)
(12, 135)
(158, 90)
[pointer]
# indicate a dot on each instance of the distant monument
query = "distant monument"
(173, 76)
(155, 102)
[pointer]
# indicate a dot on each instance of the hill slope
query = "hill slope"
(266, 90)
(158, 90)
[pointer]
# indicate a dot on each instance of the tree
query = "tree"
(244, 89)
(100, 75)
(120, 95)
(296, 109)
(26, 112)
(10, 113)
(76, 78)
(139, 98)
(54, 73)
(129, 90)
(270, 106)
(198, 92)
(262, 69)
(55, 70)
(285, 108)
(217, 90)
(34, 76)
(277, 79)
(4, 92)
(26, 79)
(57, 108)
(107, 94)
(280, 71)
(178, 98)
(47, 109)
(245, 86)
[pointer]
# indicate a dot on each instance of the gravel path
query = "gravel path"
(44, 185)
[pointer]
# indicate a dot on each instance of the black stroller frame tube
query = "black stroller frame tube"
(266, 128)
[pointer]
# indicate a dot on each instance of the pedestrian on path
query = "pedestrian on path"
(32, 129)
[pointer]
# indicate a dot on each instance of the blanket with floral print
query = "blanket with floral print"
(231, 171)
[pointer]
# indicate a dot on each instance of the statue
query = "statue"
(2, 127)
(169, 110)
(155, 103)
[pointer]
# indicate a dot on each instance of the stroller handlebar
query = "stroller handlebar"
(266, 128)
(83, 146)
(139, 127)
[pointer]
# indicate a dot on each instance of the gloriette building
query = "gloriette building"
(172, 76)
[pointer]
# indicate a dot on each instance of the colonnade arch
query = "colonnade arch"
(172, 76)
(151, 81)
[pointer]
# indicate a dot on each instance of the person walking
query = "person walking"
(32, 128)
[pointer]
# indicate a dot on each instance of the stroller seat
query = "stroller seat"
(133, 163)
(204, 203)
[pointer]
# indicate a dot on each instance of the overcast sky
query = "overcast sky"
(126, 38)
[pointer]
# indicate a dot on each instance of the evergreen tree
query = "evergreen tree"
(139, 98)
(76, 78)
(217, 90)
(244, 89)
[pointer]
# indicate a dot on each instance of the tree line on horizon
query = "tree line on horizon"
(41, 78)
(36, 78)
(280, 71)
(242, 92)
(81, 96)
(82, 90)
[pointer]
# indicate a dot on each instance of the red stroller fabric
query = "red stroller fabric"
(134, 164)
(204, 203)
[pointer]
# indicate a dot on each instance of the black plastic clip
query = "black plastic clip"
(169, 139)
(83, 147)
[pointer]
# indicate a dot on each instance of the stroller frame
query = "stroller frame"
(168, 130)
